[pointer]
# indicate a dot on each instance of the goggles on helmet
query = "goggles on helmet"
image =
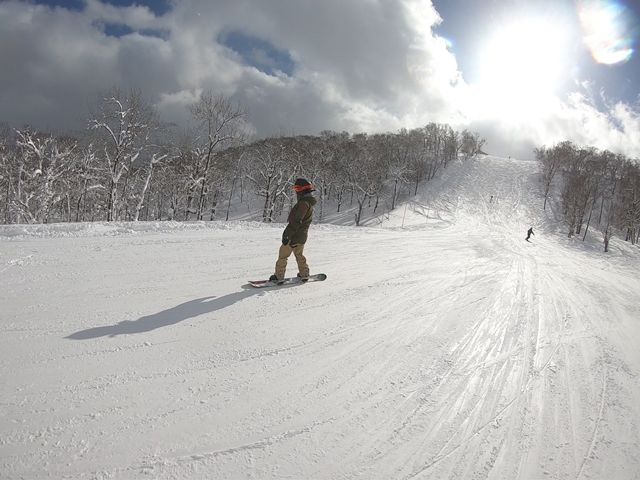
(303, 188)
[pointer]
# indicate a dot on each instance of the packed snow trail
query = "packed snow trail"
(450, 348)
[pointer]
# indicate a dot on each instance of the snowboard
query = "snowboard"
(318, 277)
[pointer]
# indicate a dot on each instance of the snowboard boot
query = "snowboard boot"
(273, 278)
(303, 279)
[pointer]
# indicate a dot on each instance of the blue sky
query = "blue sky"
(258, 52)
(159, 7)
(520, 73)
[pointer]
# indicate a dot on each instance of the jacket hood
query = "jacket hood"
(307, 197)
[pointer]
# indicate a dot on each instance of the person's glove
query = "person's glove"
(285, 238)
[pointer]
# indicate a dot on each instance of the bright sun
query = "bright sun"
(522, 65)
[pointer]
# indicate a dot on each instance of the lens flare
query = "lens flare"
(609, 30)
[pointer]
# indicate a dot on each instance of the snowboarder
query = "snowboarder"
(529, 233)
(295, 235)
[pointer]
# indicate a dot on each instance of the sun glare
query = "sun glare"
(522, 64)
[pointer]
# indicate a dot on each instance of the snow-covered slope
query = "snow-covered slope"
(442, 345)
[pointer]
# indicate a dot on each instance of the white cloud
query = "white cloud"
(362, 65)
(134, 16)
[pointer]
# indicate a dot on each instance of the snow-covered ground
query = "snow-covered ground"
(442, 346)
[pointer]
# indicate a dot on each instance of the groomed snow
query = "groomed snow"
(442, 346)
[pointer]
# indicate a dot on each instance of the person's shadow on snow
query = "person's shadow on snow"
(171, 316)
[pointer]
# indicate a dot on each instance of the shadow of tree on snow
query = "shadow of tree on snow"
(171, 316)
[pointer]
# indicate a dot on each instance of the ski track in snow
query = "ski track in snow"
(442, 346)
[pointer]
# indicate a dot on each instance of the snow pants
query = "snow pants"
(284, 253)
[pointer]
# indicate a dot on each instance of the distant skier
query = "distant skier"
(295, 235)
(529, 233)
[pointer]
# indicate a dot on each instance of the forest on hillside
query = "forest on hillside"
(595, 188)
(129, 166)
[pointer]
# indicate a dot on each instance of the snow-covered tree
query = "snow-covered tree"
(628, 214)
(365, 171)
(471, 144)
(84, 187)
(270, 170)
(152, 162)
(551, 160)
(613, 181)
(7, 163)
(398, 148)
(578, 186)
(220, 124)
(42, 162)
(124, 126)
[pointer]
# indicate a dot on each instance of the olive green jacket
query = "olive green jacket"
(299, 220)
